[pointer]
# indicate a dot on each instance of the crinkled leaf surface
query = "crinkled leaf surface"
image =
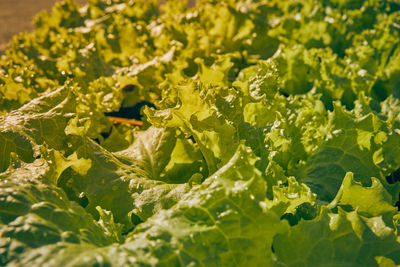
(34, 124)
(217, 223)
(270, 135)
(343, 239)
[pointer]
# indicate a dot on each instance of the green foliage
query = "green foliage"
(271, 137)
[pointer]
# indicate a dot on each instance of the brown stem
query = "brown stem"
(119, 120)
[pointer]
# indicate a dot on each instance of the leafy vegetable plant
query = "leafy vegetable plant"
(267, 134)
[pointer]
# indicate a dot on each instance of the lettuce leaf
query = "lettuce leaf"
(268, 135)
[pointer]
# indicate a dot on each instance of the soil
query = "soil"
(17, 16)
